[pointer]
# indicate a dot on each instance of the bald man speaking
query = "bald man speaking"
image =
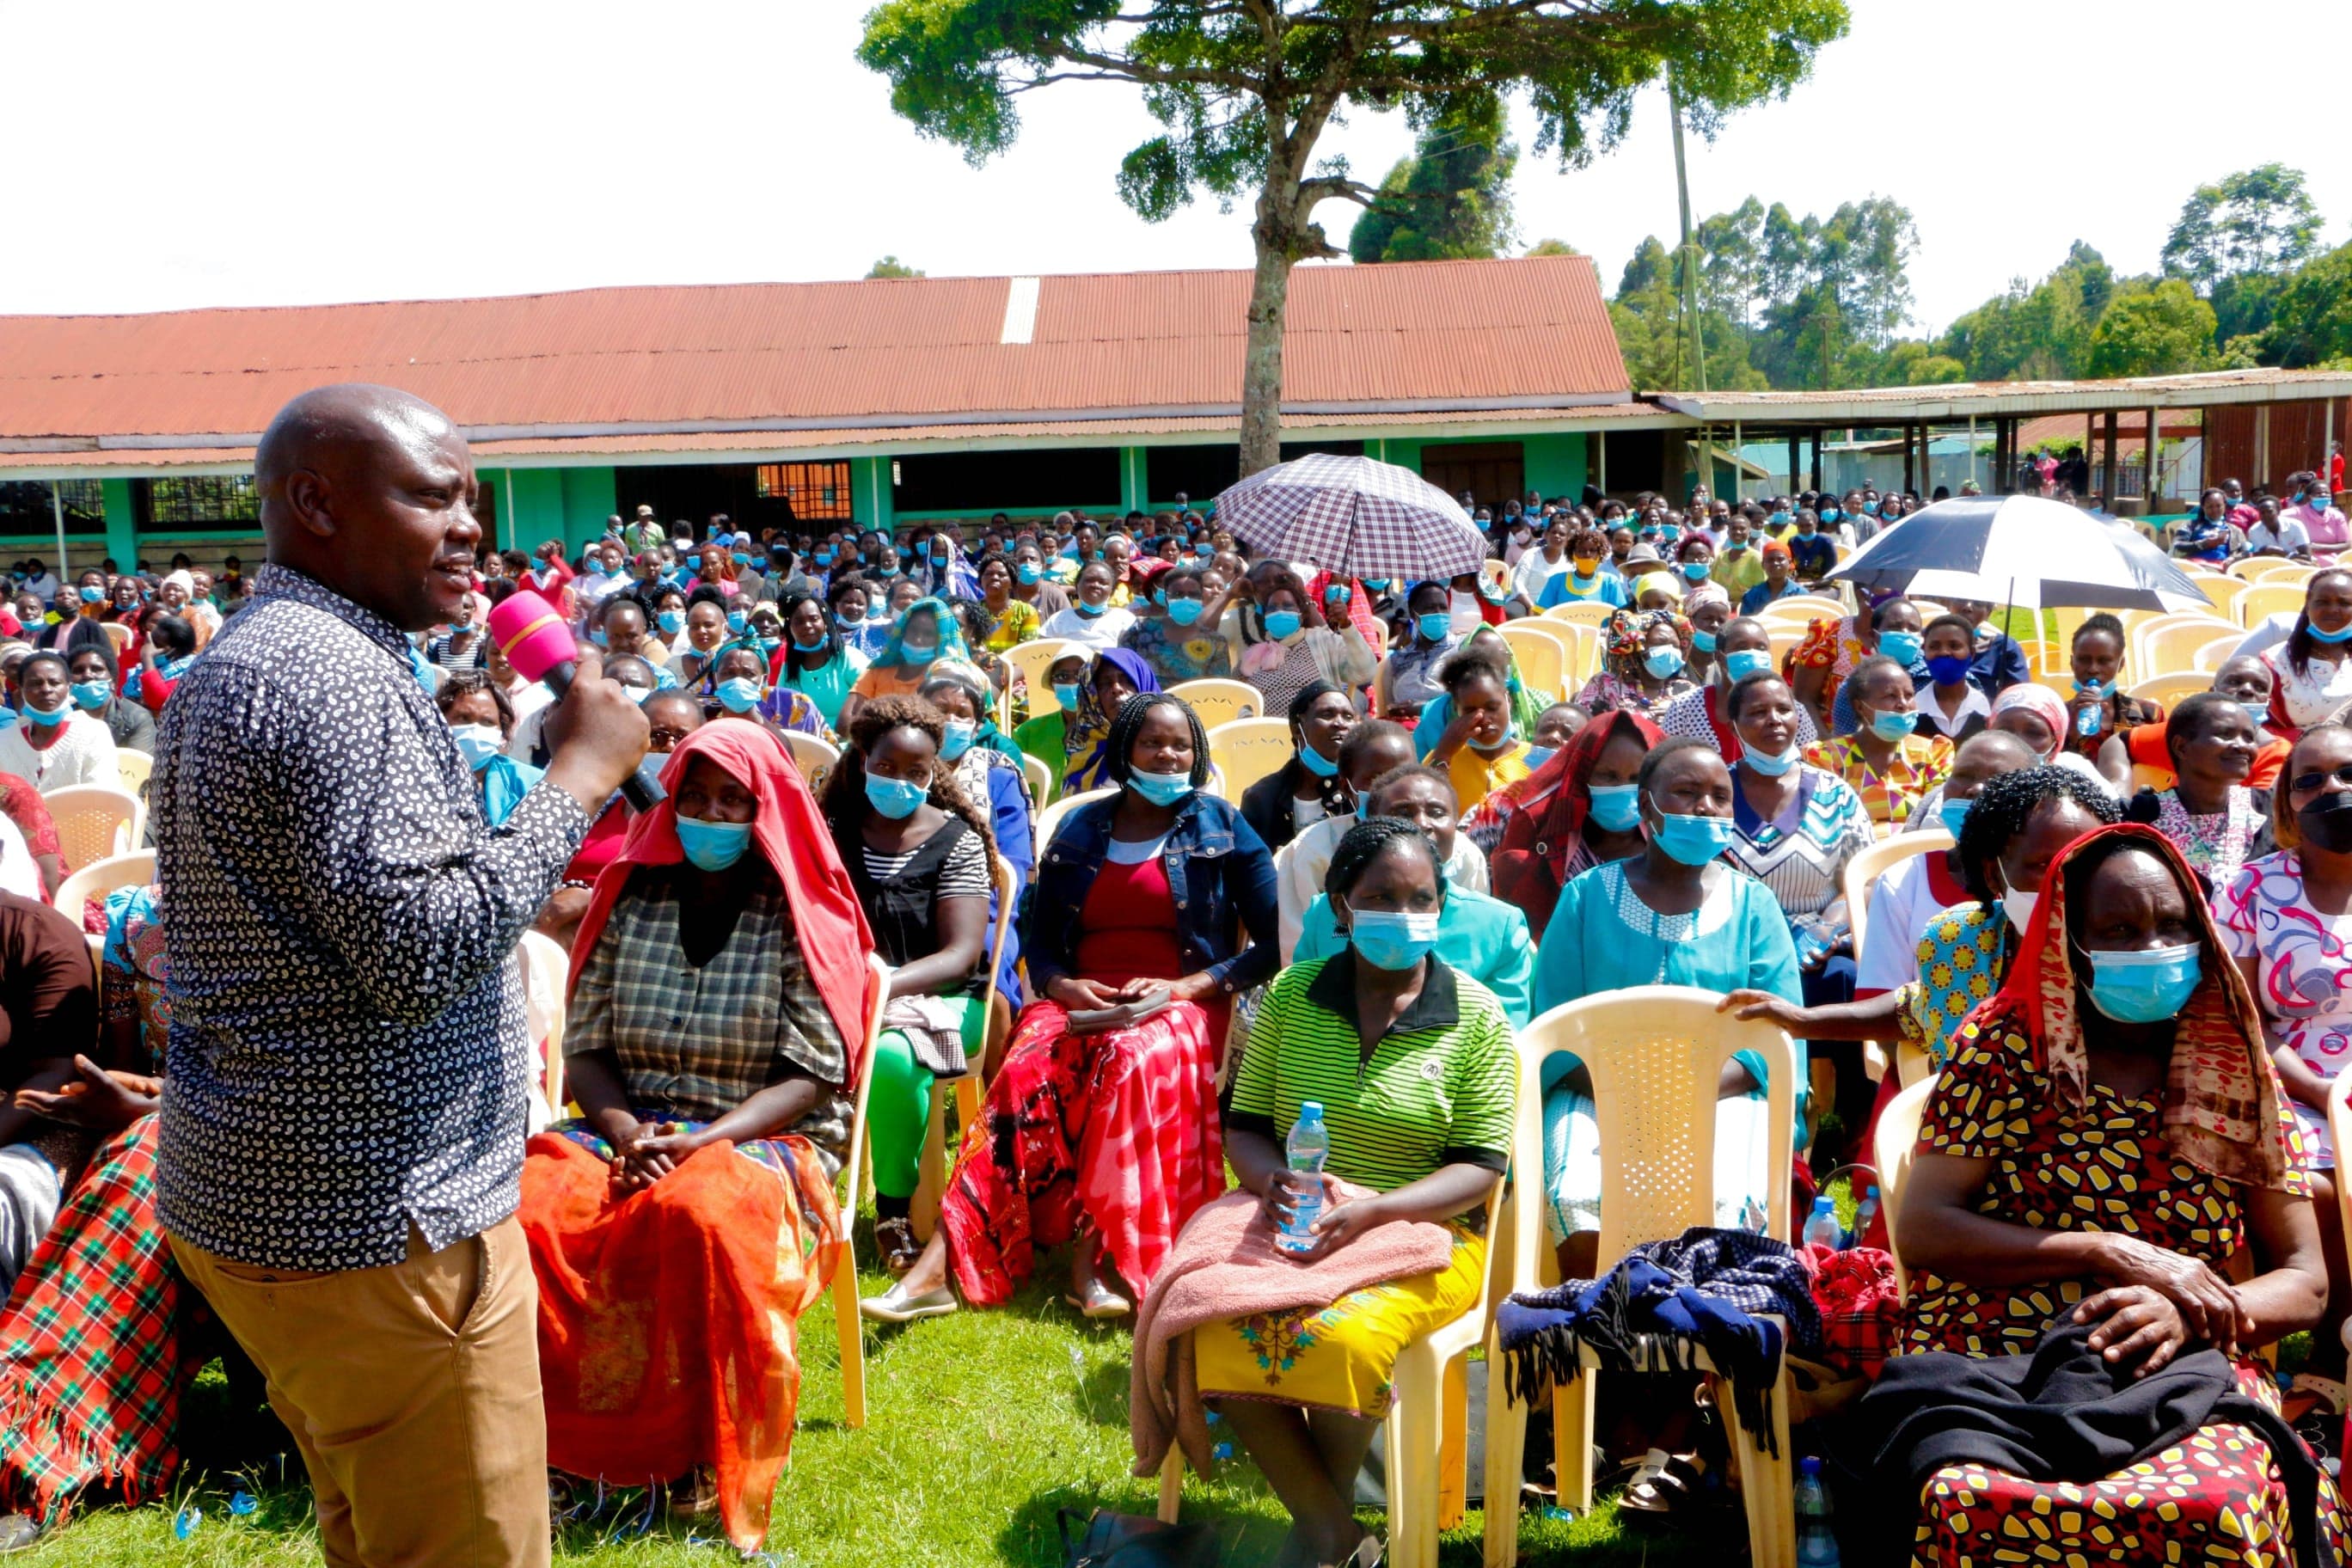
(342, 1121)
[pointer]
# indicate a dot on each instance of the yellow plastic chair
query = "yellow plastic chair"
(1050, 819)
(2169, 645)
(1427, 1430)
(1541, 655)
(2270, 568)
(2267, 598)
(1246, 750)
(1585, 644)
(2211, 656)
(1785, 639)
(931, 1173)
(95, 822)
(551, 976)
(1892, 1147)
(2222, 591)
(1218, 700)
(1654, 1053)
(1031, 662)
(1808, 607)
(135, 769)
(847, 1324)
(1869, 864)
(1040, 779)
(1583, 613)
(133, 869)
(2169, 690)
(814, 757)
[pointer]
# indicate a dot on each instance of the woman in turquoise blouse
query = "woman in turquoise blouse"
(1675, 914)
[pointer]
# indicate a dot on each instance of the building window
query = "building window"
(199, 501)
(25, 507)
(817, 492)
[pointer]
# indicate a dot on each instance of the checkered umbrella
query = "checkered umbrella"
(1354, 517)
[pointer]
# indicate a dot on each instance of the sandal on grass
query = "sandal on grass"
(1661, 1484)
(1101, 1301)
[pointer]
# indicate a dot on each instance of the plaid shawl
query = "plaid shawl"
(94, 1358)
(1707, 1289)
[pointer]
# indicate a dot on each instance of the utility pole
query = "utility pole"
(1690, 248)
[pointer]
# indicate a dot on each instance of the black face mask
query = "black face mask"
(2326, 822)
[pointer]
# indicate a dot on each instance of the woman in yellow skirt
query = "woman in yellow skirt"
(1415, 1071)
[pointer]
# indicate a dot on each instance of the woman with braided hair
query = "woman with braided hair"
(1101, 1125)
(917, 852)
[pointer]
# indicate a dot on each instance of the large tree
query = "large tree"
(1246, 89)
(1450, 200)
(2236, 240)
(2159, 329)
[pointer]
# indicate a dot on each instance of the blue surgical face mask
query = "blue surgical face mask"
(1693, 840)
(2335, 637)
(1616, 807)
(1066, 694)
(2096, 691)
(1769, 764)
(1160, 789)
(2146, 986)
(1283, 624)
(1434, 626)
(895, 798)
(47, 715)
(1893, 726)
(597, 637)
(1694, 570)
(478, 743)
(1780, 519)
(671, 621)
(92, 595)
(1664, 660)
(957, 738)
(920, 652)
(1376, 585)
(1954, 813)
(739, 694)
(1829, 514)
(1184, 612)
(1901, 646)
(737, 620)
(1702, 639)
(713, 846)
(1393, 938)
(824, 557)
(1317, 763)
(1090, 611)
(1029, 571)
(2260, 713)
(743, 558)
(805, 647)
(1746, 662)
(93, 694)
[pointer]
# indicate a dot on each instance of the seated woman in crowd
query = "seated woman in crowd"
(1408, 675)
(2035, 715)
(1579, 811)
(1183, 637)
(1642, 666)
(1307, 788)
(96, 678)
(2209, 812)
(2121, 969)
(55, 745)
(1101, 1131)
(1888, 765)
(735, 682)
(1708, 608)
(816, 661)
(851, 598)
(1034, 585)
(717, 981)
(2286, 918)
(1478, 935)
(2100, 707)
(1092, 618)
(1114, 676)
(1373, 749)
(1779, 582)
(1479, 745)
(927, 630)
(481, 721)
(1949, 704)
(2313, 679)
(2244, 679)
(987, 768)
(2208, 534)
(1011, 620)
(1286, 645)
(917, 849)
(1835, 649)
(1742, 648)
(1414, 1066)
(1045, 734)
(619, 626)
(1584, 582)
(1675, 914)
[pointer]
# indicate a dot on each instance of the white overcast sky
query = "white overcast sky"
(160, 155)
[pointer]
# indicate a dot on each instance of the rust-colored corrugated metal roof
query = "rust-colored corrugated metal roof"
(2131, 430)
(878, 353)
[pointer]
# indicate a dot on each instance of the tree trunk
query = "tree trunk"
(1262, 356)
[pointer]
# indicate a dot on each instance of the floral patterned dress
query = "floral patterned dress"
(2303, 973)
(2216, 1498)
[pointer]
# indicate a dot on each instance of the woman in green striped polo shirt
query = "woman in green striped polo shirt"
(1414, 1067)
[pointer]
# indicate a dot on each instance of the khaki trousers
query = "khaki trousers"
(413, 1392)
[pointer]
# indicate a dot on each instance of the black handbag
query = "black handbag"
(1125, 1541)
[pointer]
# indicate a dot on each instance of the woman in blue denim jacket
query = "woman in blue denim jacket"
(1105, 1132)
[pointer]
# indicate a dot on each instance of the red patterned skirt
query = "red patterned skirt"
(1119, 1129)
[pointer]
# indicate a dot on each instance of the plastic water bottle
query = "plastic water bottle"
(1864, 1212)
(2086, 715)
(1308, 1146)
(1816, 1544)
(1821, 1226)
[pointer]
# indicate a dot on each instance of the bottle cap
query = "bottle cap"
(1809, 1466)
(1310, 1110)
(1824, 1205)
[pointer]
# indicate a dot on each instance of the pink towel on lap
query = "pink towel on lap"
(1224, 1266)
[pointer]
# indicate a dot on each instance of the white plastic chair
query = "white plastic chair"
(1050, 819)
(551, 976)
(1246, 751)
(133, 869)
(95, 822)
(1871, 863)
(1218, 700)
(1655, 1054)
(813, 756)
(1892, 1147)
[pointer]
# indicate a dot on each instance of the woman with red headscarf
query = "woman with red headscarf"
(1574, 812)
(682, 1224)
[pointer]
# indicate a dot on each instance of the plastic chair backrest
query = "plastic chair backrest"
(812, 756)
(2222, 591)
(1049, 819)
(2169, 690)
(1583, 644)
(93, 821)
(2145, 777)
(1874, 861)
(133, 869)
(1807, 606)
(1246, 750)
(1008, 888)
(135, 769)
(2211, 656)
(1542, 656)
(2167, 648)
(2267, 598)
(1891, 1150)
(1583, 612)
(551, 976)
(1218, 700)
(1655, 1054)
(120, 636)
(2263, 568)
(1040, 779)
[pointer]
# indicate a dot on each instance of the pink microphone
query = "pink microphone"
(532, 635)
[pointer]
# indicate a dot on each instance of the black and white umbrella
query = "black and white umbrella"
(2023, 551)
(1354, 517)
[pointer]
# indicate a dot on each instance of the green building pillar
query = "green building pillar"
(591, 497)
(1134, 484)
(121, 523)
(869, 493)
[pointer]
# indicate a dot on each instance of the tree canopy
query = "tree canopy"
(1450, 199)
(892, 267)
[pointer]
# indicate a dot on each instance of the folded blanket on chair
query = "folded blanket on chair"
(1705, 1290)
(1225, 1265)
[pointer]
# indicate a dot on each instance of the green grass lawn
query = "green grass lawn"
(981, 1427)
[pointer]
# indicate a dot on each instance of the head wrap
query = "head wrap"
(829, 928)
(1541, 818)
(2039, 701)
(1774, 550)
(1084, 738)
(1702, 595)
(187, 582)
(951, 634)
(2221, 1096)
(1629, 630)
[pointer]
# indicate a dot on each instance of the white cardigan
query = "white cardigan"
(83, 754)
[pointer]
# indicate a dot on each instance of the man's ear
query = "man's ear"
(311, 499)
